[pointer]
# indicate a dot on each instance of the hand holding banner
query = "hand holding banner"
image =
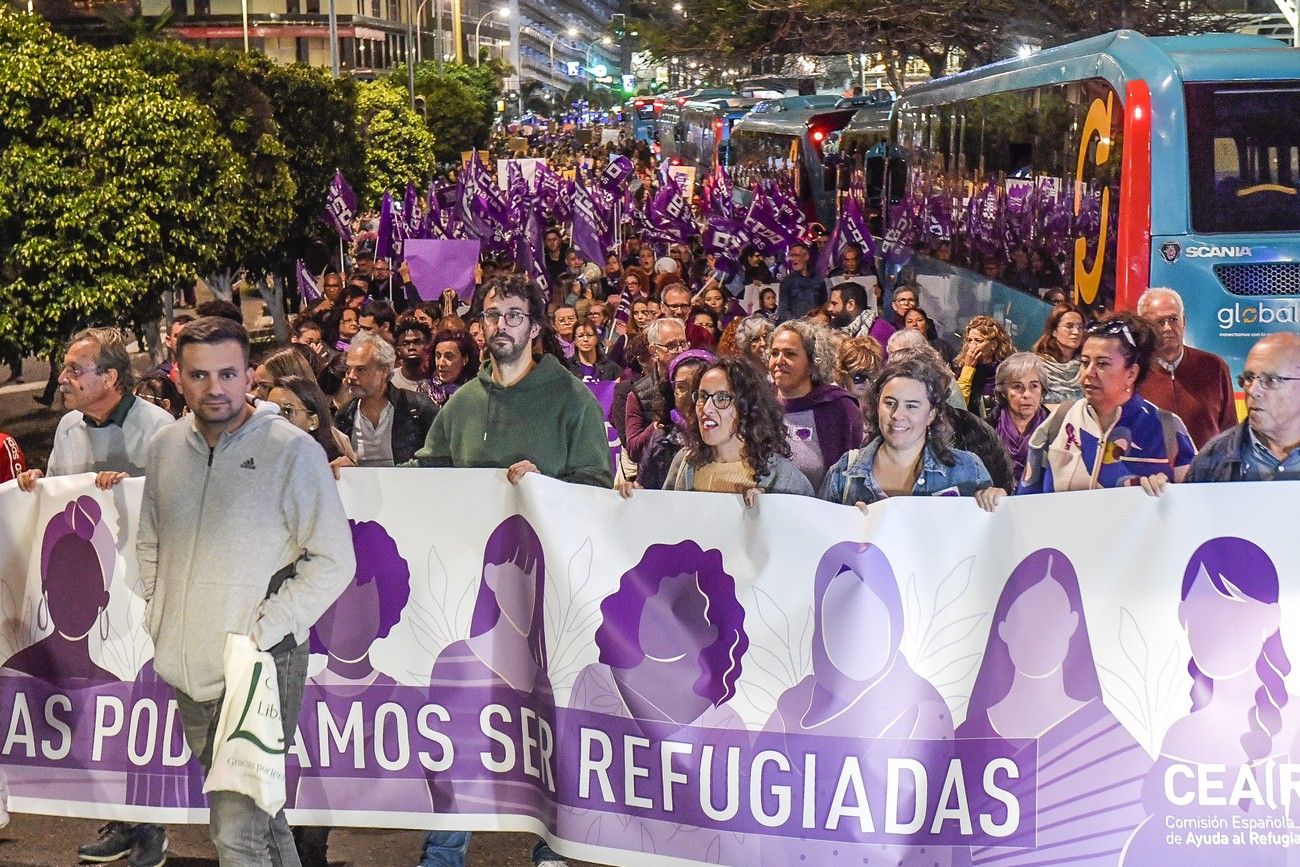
(437, 265)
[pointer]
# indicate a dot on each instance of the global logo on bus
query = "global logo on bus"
(1169, 251)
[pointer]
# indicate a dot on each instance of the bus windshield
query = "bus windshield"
(1244, 156)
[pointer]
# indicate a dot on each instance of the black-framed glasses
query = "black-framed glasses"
(1114, 328)
(1267, 381)
(721, 399)
(511, 317)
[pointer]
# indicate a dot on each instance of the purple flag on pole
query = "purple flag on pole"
(340, 206)
(414, 213)
(765, 229)
(591, 230)
(307, 287)
(853, 229)
(724, 239)
(384, 235)
(669, 214)
(437, 265)
(618, 170)
(623, 312)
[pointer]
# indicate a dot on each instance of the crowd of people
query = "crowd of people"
(820, 387)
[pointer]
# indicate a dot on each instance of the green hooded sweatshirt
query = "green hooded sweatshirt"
(548, 417)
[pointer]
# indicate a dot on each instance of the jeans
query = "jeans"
(448, 848)
(243, 834)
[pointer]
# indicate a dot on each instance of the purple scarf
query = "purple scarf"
(1017, 443)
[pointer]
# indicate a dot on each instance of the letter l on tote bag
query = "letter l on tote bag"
(249, 748)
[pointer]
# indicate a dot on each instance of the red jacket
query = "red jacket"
(1199, 392)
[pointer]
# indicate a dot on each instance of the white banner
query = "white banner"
(675, 679)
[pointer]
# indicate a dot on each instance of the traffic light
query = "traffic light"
(421, 108)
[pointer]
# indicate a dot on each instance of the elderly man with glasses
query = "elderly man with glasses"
(667, 339)
(1266, 446)
(1192, 384)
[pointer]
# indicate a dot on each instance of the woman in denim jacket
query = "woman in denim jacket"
(909, 447)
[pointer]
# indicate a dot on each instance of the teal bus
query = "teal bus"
(1115, 163)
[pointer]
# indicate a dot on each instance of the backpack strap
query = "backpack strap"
(1169, 427)
(853, 459)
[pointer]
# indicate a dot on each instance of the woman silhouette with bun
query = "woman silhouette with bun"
(78, 559)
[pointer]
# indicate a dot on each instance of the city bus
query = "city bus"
(862, 153)
(1119, 162)
(785, 139)
(707, 125)
(640, 114)
(670, 125)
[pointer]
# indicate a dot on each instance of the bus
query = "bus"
(863, 156)
(707, 127)
(1115, 163)
(640, 114)
(784, 139)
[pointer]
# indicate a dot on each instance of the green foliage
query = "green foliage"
(399, 148)
(114, 187)
(460, 103)
(229, 85)
(318, 127)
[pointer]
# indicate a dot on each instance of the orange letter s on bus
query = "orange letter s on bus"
(1088, 280)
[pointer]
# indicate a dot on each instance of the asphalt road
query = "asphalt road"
(46, 841)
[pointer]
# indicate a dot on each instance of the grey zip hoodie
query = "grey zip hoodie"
(216, 524)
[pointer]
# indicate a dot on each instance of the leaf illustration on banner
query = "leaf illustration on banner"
(1148, 696)
(936, 632)
(576, 617)
(434, 626)
(779, 655)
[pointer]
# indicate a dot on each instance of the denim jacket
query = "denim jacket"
(851, 481)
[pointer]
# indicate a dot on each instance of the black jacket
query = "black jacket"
(412, 417)
(972, 434)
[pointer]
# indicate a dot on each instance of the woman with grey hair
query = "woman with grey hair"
(822, 420)
(753, 333)
(1020, 385)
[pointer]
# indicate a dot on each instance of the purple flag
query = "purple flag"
(413, 213)
(852, 228)
(592, 233)
(618, 170)
(516, 198)
(307, 287)
(764, 227)
(623, 312)
(384, 235)
(724, 239)
(340, 206)
(528, 251)
(437, 265)
(669, 214)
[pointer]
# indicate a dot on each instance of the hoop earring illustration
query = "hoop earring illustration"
(42, 616)
(103, 625)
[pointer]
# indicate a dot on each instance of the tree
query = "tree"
(460, 103)
(114, 187)
(399, 148)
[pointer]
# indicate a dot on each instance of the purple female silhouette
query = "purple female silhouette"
(366, 611)
(1242, 719)
(1037, 687)
(671, 643)
(674, 621)
(861, 686)
(502, 662)
(78, 559)
(78, 562)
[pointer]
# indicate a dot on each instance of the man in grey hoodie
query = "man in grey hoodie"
(241, 531)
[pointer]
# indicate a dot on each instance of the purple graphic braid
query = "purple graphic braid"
(617, 638)
(1244, 564)
(513, 541)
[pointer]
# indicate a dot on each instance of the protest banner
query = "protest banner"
(527, 166)
(1094, 677)
(437, 265)
(685, 178)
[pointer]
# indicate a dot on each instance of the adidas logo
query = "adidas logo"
(248, 465)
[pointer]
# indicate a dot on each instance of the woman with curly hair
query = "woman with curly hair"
(735, 438)
(986, 346)
(909, 449)
(822, 420)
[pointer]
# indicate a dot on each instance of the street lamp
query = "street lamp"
(504, 12)
(604, 40)
(572, 33)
